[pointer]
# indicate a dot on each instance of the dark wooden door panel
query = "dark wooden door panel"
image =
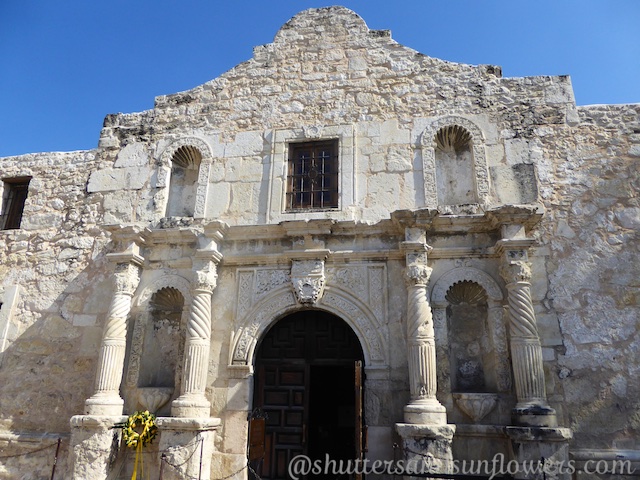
(288, 356)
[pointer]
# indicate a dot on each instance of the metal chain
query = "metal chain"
(29, 452)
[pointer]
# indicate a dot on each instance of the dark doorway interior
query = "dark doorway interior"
(332, 427)
(307, 382)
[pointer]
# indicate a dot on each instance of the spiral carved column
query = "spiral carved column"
(526, 351)
(192, 401)
(423, 407)
(106, 400)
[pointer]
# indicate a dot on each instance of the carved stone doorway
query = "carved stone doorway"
(309, 382)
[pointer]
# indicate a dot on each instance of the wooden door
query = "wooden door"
(307, 353)
(283, 399)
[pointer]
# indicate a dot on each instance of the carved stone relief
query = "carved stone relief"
(354, 293)
(308, 279)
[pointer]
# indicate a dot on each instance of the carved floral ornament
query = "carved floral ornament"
(206, 278)
(515, 271)
(126, 277)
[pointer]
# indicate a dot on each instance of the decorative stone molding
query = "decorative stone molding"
(279, 152)
(281, 301)
(308, 280)
(461, 274)
(429, 145)
(165, 280)
(203, 173)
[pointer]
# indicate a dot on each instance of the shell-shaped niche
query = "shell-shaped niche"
(453, 138)
(455, 175)
(466, 292)
(187, 157)
(185, 167)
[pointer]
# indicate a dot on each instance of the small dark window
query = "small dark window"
(312, 182)
(14, 196)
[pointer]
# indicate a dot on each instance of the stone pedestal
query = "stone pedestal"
(183, 448)
(95, 446)
(426, 448)
(186, 447)
(550, 446)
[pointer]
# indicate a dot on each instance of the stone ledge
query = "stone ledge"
(177, 423)
(539, 434)
(409, 430)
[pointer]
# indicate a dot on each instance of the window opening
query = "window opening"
(312, 182)
(14, 197)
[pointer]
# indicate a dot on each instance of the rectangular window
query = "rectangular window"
(14, 195)
(312, 181)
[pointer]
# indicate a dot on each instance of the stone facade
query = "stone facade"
(484, 251)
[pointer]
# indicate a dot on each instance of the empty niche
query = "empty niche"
(455, 177)
(163, 340)
(470, 347)
(183, 182)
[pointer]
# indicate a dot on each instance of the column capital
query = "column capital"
(418, 274)
(126, 278)
(516, 271)
(205, 276)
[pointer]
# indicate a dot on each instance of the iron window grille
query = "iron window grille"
(312, 181)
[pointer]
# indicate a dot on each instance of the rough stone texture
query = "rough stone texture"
(327, 76)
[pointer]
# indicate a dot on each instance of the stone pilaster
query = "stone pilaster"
(526, 351)
(423, 407)
(106, 400)
(192, 401)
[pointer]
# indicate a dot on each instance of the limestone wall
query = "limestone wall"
(590, 182)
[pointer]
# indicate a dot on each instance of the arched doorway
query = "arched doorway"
(308, 380)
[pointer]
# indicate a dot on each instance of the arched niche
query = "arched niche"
(184, 177)
(281, 302)
(454, 163)
(498, 357)
(155, 343)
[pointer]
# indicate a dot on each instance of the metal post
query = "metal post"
(55, 459)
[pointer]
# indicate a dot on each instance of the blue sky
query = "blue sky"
(65, 64)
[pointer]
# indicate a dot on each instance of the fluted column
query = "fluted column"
(192, 401)
(526, 350)
(423, 407)
(106, 400)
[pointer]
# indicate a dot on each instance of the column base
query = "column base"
(425, 412)
(104, 404)
(426, 449)
(534, 416)
(191, 406)
(531, 445)
(94, 446)
(186, 446)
